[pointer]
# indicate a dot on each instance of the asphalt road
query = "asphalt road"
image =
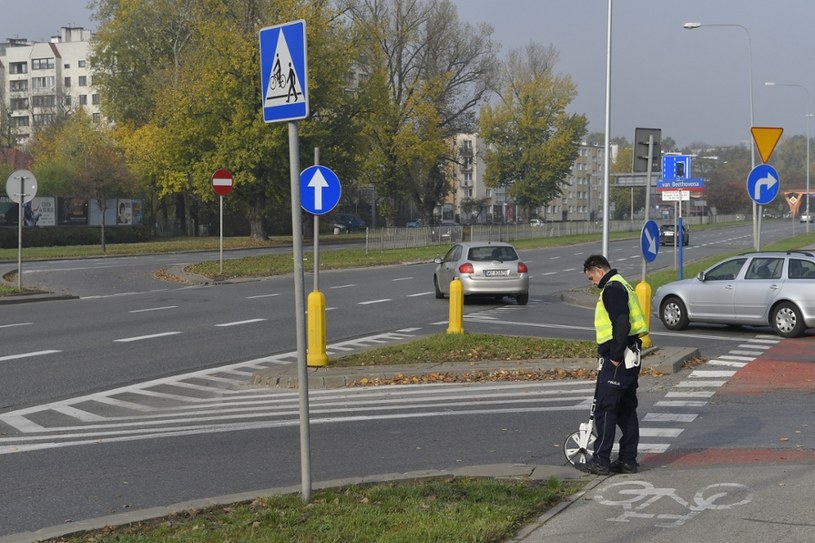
(138, 330)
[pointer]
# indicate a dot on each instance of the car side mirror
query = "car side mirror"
(437, 260)
(701, 276)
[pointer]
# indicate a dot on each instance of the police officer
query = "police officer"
(618, 323)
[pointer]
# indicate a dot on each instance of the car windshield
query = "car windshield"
(488, 253)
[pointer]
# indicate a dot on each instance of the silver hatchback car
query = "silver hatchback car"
(760, 289)
(484, 269)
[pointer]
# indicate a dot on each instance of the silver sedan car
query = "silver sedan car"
(484, 269)
(760, 289)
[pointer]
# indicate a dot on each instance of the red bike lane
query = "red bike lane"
(784, 374)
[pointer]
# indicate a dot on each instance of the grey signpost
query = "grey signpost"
(21, 187)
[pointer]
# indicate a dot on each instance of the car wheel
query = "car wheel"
(522, 299)
(787, 320)
(439, 293)
(673, 314)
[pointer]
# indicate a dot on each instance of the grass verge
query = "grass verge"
(450, 509)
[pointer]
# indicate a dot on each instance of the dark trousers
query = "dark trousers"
(616, 406)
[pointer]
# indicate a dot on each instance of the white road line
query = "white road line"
(712, 373)
(238, 323)
(754, 346)
(746, 353)
(26, 355)
(680, 403)
(728, 363)
(420, 294)
(154, 309)
(694, 384)
(262, 296)
(344, 286)
(16, 324)
(139, 338)
(401, 279)
(655, 448)
(369, 302)
(737, 358)
(660, 432)
(669, 417)
(691, 394)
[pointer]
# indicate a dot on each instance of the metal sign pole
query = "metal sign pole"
(299, 310)
(221, 235)
(20, 234)
(316, 234)
(647, 195)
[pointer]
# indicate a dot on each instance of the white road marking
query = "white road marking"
(420, 294)
(139, 338)
(26, 355)
(238, 323)
(153, 309)
(402, 279)
(262, 296)
(16, 324)
(344, 286)
(669, 417)
(369, 302)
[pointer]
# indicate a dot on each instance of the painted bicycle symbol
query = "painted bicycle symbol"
(637, 496)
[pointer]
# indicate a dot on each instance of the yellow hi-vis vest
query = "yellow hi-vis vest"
(602, 322)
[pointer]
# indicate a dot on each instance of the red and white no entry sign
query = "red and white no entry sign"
(222, 182)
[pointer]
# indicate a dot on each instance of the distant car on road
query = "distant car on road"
(666, 235)
(447, 231)
(760, 289)
(416, 223)
(806, 218)
(484, 269)
(348, 222)
(535, 223)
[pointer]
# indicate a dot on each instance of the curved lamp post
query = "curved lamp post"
(693, 26)
(808, 117)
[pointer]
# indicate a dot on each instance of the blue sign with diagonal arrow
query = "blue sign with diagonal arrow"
(649, 240)
(763, 184)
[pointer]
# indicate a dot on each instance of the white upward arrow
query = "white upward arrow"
(652, 246)
(768, 182)
(318, 183)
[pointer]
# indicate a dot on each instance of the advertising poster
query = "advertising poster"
(40, 212)
(73, 210)
(124, 212)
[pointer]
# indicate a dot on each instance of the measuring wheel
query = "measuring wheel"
(579, 446)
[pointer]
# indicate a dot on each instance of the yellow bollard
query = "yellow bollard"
(644, 296)
(456, 308)
(316, 330)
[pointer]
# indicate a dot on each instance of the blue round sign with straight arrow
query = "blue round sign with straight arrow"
(649, 241)
(320, 190)
(763, 184)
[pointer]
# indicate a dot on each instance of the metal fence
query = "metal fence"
(402, 238)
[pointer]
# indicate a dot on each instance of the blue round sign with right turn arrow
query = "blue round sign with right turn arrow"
(763, 184)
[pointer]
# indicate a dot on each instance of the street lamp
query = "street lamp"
(693, 26)
(808, 116)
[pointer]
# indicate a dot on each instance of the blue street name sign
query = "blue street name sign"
(680, 184)
(320, 190)
(649, 241)
(284, 72)
(763, 184)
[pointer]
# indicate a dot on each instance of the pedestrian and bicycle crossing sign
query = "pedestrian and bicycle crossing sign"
(284, 72)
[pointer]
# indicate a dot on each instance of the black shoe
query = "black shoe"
(618, 466)
(595, 467)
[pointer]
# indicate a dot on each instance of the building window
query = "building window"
(44, 119)
(18, 103)
(18, 86)
(97, 118)
(44, 100)
(468, 193)
(83, 81)
(48, 82)
(42, 64)
(95, 99)
(20, 121)
(18, 68)
(68, 100)
(67, 81)
(83, 99)
(66, 66)
(81, 63)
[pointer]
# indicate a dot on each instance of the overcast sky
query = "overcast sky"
(692, 84)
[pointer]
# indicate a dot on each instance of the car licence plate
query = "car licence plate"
(496, 273)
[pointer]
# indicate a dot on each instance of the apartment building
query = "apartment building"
(39, 81)
(473, 202)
